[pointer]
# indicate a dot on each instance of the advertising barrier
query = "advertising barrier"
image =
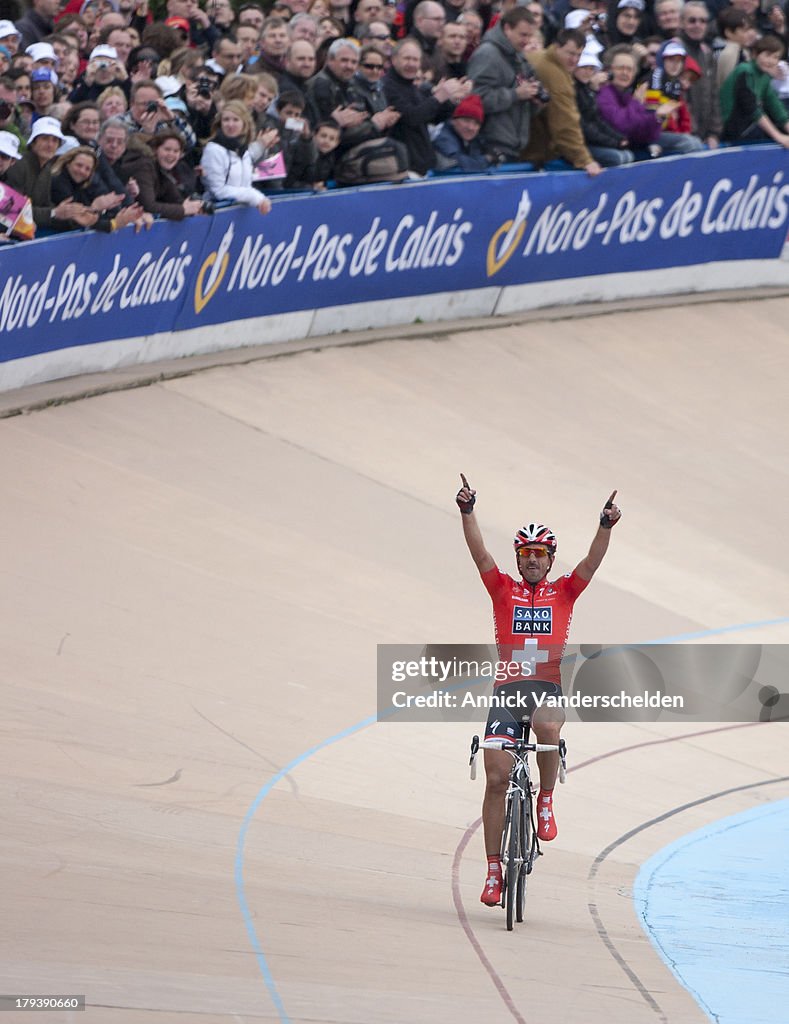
(443, 235)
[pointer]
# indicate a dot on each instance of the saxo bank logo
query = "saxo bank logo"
(215, 264)
(507, 238)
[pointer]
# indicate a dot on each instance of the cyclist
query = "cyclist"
(532, 621)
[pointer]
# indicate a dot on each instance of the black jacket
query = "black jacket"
(597, 132)
(325, 92)
(417, 110)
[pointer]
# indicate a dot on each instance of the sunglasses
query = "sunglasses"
(372, 67)
(697, 21)
(538, 549)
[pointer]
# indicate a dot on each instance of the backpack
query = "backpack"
(372, 161)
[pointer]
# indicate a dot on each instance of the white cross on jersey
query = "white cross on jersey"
(529, 656)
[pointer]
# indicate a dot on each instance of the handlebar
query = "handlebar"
(538, 748)
(520, 747)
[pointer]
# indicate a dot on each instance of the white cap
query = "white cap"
(46, 126)
(576, 18)
(41, 51)
(8, 28)
(102, 50)
(216, 68)
(674, 48)
(9, 145)
(169, 84)
(589, 59)
(637, 5)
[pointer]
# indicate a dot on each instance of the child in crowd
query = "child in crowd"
(327, 139)
(290, 135)
(667, 89)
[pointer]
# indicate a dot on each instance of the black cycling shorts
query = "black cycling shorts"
(507, 722)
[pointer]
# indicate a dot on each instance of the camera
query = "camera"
(542, 94)
(294, 124)
(102, 65)
(208, 206)
(151, 107)
(204, 87)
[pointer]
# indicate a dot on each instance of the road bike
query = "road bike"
(520, 846)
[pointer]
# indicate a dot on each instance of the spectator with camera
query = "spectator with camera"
(149, 114)
(507, 84)
(556, 131)
(103, 70)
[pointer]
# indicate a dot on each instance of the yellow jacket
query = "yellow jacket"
(556, 132)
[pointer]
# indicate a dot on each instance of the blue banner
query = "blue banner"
(451, 234)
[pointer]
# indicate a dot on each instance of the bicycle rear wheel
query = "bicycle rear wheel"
(514, 861)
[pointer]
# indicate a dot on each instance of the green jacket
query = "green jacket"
(31, 179)
(747, 95)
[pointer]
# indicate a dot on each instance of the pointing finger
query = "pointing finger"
(610, 501)
(463, 478)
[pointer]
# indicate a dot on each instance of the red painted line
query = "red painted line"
(457, 899)
(466, 926)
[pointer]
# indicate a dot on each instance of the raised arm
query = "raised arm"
(608, 518)
(465, 498)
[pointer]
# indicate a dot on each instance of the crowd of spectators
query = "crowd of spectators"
(113, 112)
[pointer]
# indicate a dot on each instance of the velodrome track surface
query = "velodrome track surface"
(195, 576)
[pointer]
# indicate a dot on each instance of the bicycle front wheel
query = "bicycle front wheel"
(514, 859)
(525, 859)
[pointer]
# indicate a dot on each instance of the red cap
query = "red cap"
(177, 23)
(470, 107)
(691, 65)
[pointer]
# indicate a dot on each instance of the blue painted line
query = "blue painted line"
(683, 637)
(265, 970)
(715, 905)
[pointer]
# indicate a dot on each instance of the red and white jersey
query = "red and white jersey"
(533, 623)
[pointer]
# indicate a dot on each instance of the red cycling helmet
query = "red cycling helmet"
(536, 533)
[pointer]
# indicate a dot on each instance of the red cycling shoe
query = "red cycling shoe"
(491, 894)
(546, 822)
